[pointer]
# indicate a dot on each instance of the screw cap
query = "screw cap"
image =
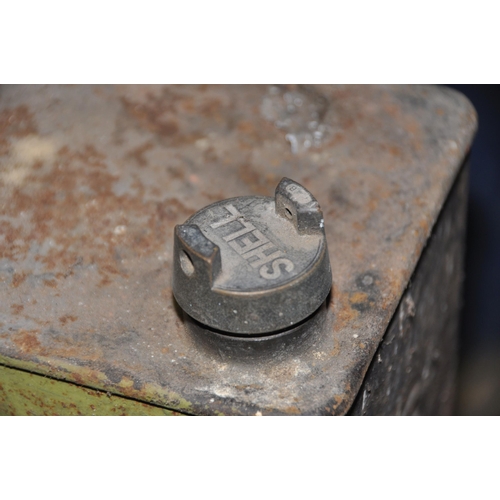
(253, 264)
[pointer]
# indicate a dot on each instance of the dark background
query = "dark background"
(479, 389)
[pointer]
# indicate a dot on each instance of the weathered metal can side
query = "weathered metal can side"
(93, 180)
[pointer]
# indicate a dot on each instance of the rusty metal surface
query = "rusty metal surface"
(414, 370)
(93, 180)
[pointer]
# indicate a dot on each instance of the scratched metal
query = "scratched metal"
(94, 179)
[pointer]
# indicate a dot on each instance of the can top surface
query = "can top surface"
(93, 180)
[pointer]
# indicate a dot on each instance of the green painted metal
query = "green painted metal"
(23, 393)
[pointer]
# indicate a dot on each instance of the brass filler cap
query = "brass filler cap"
(253, 264)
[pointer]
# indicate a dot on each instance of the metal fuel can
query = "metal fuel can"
(231, 250)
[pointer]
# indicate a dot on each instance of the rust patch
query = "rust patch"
(172, 210)
(361, 301)
(175, 117)
(358, 297)
(292, 410)
(78, 379)
(346, 316)
(158, 114)
(27, 341)
(15, 123)
(247, 128)
(138, 153)
(78, 189)
(211, 108)
(18, 279)
(338, 399)
(16, 308)
(344, 313)
(68, 317)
